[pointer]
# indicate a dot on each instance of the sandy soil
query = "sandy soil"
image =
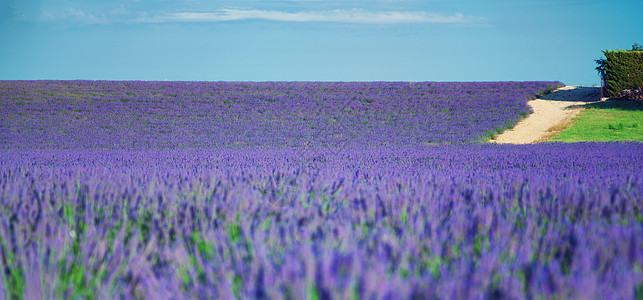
(552, 114)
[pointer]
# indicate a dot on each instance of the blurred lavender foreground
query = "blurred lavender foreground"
(376, 218)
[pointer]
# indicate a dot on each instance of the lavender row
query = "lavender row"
(162, 115)
(475, 221)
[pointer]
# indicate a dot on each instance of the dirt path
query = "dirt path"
(552, 113)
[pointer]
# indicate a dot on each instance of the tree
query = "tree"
(601, 61)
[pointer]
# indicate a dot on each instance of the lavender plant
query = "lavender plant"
(102, 194)
(162, 115)
(550, 220)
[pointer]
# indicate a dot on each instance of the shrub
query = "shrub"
(622, 72)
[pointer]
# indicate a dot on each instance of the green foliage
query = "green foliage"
(355, 291)
(313, 292)
(237, 286)
(13, 275)
(186, 279)
(145, 224)
(639, 291)
(205, 249)
(480, 243)
(621, 70)
(433, 265)
(491, 134)
(73, 280)
(266, 223)
(234, 232)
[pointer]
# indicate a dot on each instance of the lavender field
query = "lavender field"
(174, 115)
(153, 190)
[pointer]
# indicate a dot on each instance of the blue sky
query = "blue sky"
(308, 40)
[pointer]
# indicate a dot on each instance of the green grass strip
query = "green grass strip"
(612, 120)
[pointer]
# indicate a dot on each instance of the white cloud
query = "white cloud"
(72, 14)
(356, 16)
